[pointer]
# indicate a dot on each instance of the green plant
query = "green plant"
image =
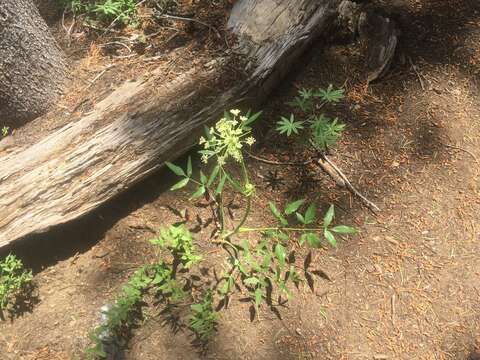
(159, 277)
(203, 318)
(264, 265)
(122, 11)
(180, 242)
(321, 132)
(13, 279)
(5, 130)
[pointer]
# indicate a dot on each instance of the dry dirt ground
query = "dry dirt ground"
(406, 287)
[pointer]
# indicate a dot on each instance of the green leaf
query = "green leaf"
(293, 206)
(343, 229)
(327, 220)
(234, 183)
(252, 118)
(300, 218)
(213, 175)
(251, 281)
(200, 191)
(208, 134)
(197, 308)
(330, 94)
(189, 167)
(176, 169)
(182, 183)
(277, 213)
(310, 214)
(203, 178)
(220, 185)
(330, 238)
(289, 126)
(325, 132)
(312, 239)
(280, 255)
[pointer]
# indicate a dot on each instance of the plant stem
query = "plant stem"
(240, 230)
(247, 209)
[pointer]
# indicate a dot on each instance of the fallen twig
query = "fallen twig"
(273, 162)
(350, 187)
(172, 17)
(414, 67)
(462, 149)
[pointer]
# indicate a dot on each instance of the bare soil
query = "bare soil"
(406, 287)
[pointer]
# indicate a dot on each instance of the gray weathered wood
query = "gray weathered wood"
(143, 123)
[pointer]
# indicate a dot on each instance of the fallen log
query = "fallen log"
(144, 123)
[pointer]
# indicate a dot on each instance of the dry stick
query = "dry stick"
(172, 17)
(461, 149)
(350, 187)
(97, 77)
(414, 67)
(272, 162)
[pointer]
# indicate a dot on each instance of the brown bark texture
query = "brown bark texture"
(32, 68)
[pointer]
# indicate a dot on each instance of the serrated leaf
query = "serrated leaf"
(330, 238)
(343, 229)
(327, 219)
(310, 214)
(277, 213)
(293, 206)
(200, 191)
(182, 183)
(189, 167)
(280, 255)
(177, 170)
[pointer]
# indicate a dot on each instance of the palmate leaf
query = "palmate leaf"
(289, 126)
(325, 132)
(330, 94)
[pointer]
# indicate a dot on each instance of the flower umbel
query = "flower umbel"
(226, 138)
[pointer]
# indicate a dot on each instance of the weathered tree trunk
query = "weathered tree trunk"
(31, 64)
(142, 124)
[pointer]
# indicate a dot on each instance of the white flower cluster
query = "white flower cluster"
(227, 139)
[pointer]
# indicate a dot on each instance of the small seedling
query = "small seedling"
(13, 280)
(318, 130)
(5, 131)
(204, 319)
